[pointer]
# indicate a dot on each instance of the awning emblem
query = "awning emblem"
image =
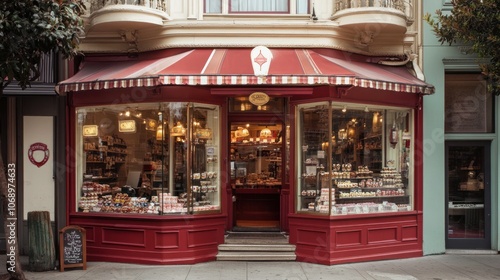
(261, 60)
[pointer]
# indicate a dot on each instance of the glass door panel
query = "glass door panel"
(468, 203)
(256, 174)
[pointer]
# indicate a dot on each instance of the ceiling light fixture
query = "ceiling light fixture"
(265, 133)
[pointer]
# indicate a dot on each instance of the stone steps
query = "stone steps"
(256, 247)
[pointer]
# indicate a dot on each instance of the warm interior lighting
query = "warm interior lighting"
(126, 126)
(90, 130)
(344, 109)
(244, 132)
(178, 130)
(159, 133)
(265, 133)
(137, 113)
(342, 134)
(324, 146)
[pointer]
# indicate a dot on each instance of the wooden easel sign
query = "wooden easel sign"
(72, 248)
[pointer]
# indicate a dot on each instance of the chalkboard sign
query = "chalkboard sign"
(72, 247)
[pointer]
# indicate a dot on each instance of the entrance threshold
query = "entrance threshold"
(256, 246)
(256, 226)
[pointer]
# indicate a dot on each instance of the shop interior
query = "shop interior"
(256, 174)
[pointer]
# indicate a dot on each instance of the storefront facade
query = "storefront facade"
(162, 172)
(173, 147)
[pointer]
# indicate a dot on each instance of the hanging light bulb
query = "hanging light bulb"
(137, 113)
(265, 133)
(344, 109)
(178, 130)
(245, 132)
(159, 133)
(342, 134)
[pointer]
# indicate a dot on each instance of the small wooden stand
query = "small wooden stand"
(72, 248)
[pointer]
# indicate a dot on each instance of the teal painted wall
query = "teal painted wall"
(434, 69)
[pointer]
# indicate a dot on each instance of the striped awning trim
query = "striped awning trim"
(222, 67)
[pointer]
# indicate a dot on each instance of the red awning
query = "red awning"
(234, 67)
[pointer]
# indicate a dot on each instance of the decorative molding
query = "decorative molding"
(447, 5)
(290, 31)
(131, 38)
(334, 38)
(463, 64)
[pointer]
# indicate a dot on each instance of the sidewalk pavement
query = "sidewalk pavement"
(451, 266)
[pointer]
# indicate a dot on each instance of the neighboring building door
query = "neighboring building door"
(468, 195)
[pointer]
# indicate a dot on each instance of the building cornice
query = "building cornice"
(247, 33)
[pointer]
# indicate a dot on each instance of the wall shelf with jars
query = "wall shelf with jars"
(256, 156)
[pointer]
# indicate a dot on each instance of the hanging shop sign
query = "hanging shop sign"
(38, 147)
(126, 126)
(90, 130)
(258, 98)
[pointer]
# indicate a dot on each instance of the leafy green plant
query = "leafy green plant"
(29, 29)
(475, 23)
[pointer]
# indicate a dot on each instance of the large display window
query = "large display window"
(354, 159)
(151, 158)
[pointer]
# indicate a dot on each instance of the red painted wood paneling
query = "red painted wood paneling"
(382, 234)
(152, 239)
(167, 240)
(202, 237)
(122, 236)
(348, 238)
(354, 238)
(312, 237)
(409, 233)
(90, 234)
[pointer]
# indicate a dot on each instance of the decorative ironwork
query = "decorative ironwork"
(405, 6)
(160, 5)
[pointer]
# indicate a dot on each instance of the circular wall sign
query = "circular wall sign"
(38, 147)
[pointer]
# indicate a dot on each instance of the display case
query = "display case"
(164, 161)
(354, 160)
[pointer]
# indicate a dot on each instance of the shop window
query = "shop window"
(257, 6)
(148, 158)
(468, 105)
(354, 159)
